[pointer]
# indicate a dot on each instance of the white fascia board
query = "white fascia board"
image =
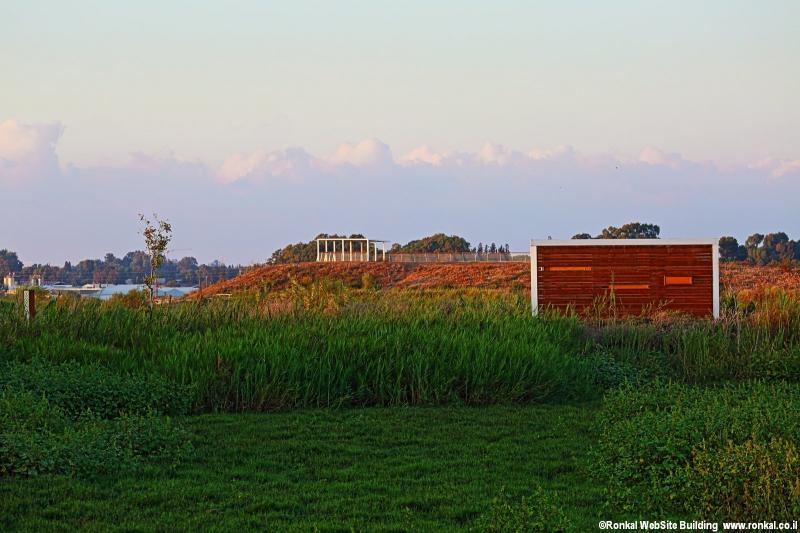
(623, 242)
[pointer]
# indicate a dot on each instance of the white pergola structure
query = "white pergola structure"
(341, 249)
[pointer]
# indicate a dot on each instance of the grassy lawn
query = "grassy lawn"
(388, 469)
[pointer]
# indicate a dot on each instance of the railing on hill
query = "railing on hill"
(465, 257)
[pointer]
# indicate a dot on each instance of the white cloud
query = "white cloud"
(27, 151)
(559, 152)
(263, 164)
(654, 156)
(777, 168)
(367, 153)
(423, 155)
(498, 154)
(496, 192)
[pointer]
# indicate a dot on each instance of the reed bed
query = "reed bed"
(324, 344)
(323, 347)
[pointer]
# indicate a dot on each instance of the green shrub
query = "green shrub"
(609, 372)
(27, 425)
(37, 437)
(133, 299)
(79, 388)
(649, 439)
(538, 513)
(746, 482)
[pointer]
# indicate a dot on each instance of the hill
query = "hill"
(384, 275)
(735, 276)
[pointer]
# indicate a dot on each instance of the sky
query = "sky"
(251, 124)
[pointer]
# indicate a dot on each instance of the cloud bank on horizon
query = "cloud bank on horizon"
(257, 201)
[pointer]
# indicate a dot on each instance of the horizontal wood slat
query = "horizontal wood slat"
(628, 286)
(570, 269)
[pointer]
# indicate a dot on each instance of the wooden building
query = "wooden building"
(632, 275)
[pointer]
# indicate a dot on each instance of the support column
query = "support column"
(367, 250)
(317, 251)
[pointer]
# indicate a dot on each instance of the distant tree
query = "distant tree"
(438, 242)
(157, 237)
(9, 262)
(187, 270)
(581, 236)
(136, 265)
(777, 248)
(169, 272)
(751, 244)
(493, 248)
(731, 250)
(632, 230)
(307, 251)
(480, 248)
(203, 276)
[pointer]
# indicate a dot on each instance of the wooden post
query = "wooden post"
(29, 303)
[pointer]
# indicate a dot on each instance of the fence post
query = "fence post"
(29, 304)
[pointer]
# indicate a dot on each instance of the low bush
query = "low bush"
(746, 482)
(537, 513)
(37, 437)
(661, 446)
(133, 299)
(77, 389)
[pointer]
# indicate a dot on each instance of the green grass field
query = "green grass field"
(327, 408)
(376, 469)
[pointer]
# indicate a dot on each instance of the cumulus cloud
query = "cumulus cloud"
(497, 154)
(656, 157)
(777, 168)
(549, 154)
(367, 153)
(263, 164)
(27, 151)
(423, 155)
(255, 202)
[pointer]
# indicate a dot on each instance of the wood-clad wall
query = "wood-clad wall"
(674, 277)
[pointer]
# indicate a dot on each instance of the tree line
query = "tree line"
(133, 267)
(760, 249)
(437, 243)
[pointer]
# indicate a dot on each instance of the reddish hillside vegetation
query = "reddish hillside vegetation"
(742, 276)
(384, 275)
(457, 275)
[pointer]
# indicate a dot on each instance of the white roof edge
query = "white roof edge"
(350, 239)
(622, 242)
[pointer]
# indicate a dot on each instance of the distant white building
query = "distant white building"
(9, 283)
(104, 292)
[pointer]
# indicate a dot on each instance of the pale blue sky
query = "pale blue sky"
(711, 80)
(538, 118)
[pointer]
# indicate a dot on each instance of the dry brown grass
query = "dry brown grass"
(736, 277)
